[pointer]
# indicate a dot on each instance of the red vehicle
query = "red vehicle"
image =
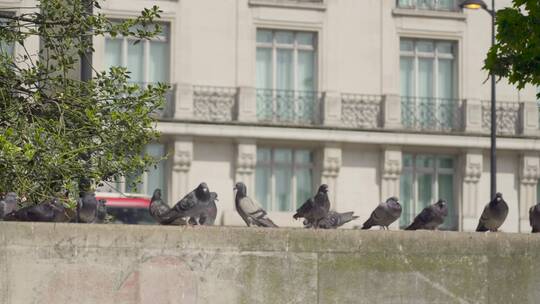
(130, 209)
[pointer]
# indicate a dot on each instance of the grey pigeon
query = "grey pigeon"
(534, 218)
(101, 211)
(198, 204)
(385, 214)
(493, 215)
(87, 207)
(431, 217)
(315, 208)
(8, 204)
(161, 211)
(250, 210)
(333, 220)
(51, 211)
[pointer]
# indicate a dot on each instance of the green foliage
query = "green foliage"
(516, 54)
(56, 130)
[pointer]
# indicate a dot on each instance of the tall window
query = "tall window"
(283, 178)
(5, 47)
(148, 61)
(425, 179)
(428, 86)
(286, 69)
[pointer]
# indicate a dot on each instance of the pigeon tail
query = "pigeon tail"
(368, 224)
(266, 222)
(535, 230)
(481, 228)
(413, 226)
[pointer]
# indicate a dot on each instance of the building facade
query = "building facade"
(374, 98)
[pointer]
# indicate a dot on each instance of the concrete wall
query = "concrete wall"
(68, 263)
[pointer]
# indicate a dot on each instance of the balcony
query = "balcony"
(352, 111)
(429, 5)
(431, 114)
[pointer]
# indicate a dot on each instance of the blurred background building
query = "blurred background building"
(373, 97)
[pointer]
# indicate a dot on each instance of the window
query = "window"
(283, 178)
(148, 61)
(428, 86)
(439, 5)
(6, 47)
(425, 179)
(285, 79)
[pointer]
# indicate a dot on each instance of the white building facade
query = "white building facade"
(373, 97)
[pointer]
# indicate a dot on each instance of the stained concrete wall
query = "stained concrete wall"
(68, 263)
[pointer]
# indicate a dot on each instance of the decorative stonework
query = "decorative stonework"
(213, 103)
(472, 171)
(390, 172)
(246, 160)
(529, 173)
(361, 111)
(331, 166)
(182, 151)
(507, 117)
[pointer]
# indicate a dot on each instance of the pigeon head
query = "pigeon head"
(157, 194)
(241, 189)
(202, 191)
(323, 188)
(441, 203)
(498, 196)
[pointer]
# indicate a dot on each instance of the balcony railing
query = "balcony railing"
(288, 107)
(211, 103)
(433, 5)
(508, 120)
(361, 111)
(431, 114)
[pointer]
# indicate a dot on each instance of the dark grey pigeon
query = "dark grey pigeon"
(8, 204)
(51, 211)
(249, 209)
(534, 218)
(333, 220)
(198, 204)
(385, 214)
(315, 208)
(431, 217)
(161, 211)
(101, 211)
(493, 215)
(87, 206)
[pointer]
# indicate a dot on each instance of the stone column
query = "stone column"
(183, 105)
(330, 170)
(472, 171)
(247, 104)
(528, 113)
(391, 112)
(181, 151)
(472, 116)
(246, 160)
(529, 172)
(331, 108)
(390, 172)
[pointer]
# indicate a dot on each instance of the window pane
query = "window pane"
(446, 78)
(446, 191)
(159, 62)
(283, 156)
(425, 77)
(446, 162)
(424, 161)
(283, 179)
(264, 155)
(263, 177)
(306, 75)
(303, 157)
(284, 37)
(406, 45)
(425, 191)
(406, 199)
(303, 186)
(445, 48)
(406, 66)
(305, 39)
(264, 36)
(156, 176)
(135, 61)
(407, 160)
(424, 46)
(285, 69)
(113, 52)
(264, 68)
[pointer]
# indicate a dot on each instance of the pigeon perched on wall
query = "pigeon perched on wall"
(333, 220)
(249, 209)
(493, 215)
(101, 211)
(385, 214)
(534, 218)
(8, 204)
(431, 217)
(161, 211)
(199, 205)
(87, 206)
(50, 211)
(315, 208)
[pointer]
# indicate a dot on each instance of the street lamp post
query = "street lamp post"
(477, 4)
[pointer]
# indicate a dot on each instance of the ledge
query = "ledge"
(402, 12)
(315, 5)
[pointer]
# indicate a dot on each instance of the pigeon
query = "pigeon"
(198, 204)
(493, 215)
(249, 209)
(51, 211)
(8, 204)
(333, 220)
(315, 208)
(101, 211)
(385, 214)
(161, 211)
(87, 206)
(534, 218)
(431, 217)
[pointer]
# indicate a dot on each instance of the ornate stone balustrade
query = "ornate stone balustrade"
(361, 111)
(508, 118)
(211, 103)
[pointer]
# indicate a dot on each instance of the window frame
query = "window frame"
(294, 165)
